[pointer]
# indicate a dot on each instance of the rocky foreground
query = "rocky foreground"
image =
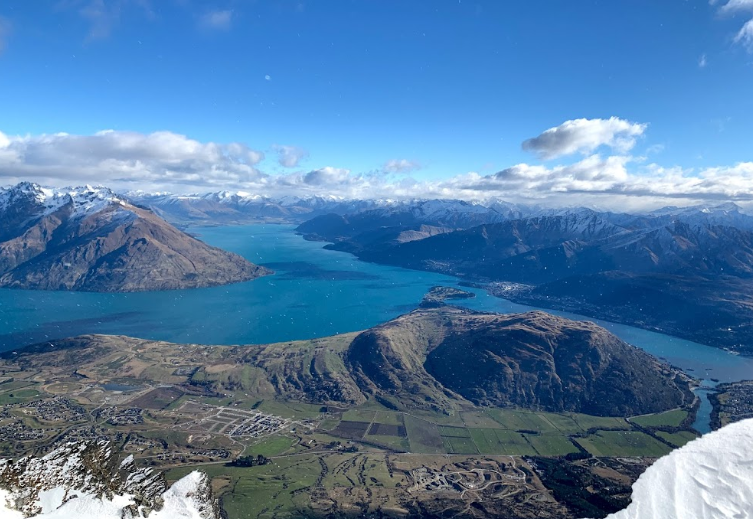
(88, 481)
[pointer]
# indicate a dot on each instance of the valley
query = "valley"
(406, 438)
(354, 445)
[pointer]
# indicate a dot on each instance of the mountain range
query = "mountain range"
(227, 207)
(687, 272)
(91, 239)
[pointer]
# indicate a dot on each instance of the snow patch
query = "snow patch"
(86, 481)
(127, 461)
(84, 200)
(5, 511)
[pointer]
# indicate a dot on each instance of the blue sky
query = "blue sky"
(446, 87)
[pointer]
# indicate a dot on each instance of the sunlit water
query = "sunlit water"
(314, 293)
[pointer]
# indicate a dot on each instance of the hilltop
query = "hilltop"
(434, 358)
(437, 358)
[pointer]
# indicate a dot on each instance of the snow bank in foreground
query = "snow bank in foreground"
(87, 480)
(184, 500)
(709, 478)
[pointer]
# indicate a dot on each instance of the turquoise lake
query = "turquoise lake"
(314, 293)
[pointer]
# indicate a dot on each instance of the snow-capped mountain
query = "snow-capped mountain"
(88, 238)
(89, 481)
(244, 207)
(83, 200)
(236, 207)
(726, 214)
(709, 478)
(229, 207)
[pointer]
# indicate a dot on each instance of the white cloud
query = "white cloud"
(328, 176)
(165, 161)
(289, 156)
(585, 136)
(401, 166)
(745, 36)
(220, 20)
(5, 28)
(733, 6)
(702, 61)
(127, 158)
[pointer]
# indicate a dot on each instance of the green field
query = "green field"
(678, 439)
(479, 419)
(359, 415)
(551, 444)
(500, 441)
(272, 446)
(393, 442)
(672, 418)
(329, 424)
(515, 432)
(460, 432)
(459, 445)
(18, 396)
(283, 488)
(623, 443)
(423, 436)
(522, 420)
(389, 418)
(564, 423)
(587, 422)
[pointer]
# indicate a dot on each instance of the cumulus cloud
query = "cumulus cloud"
(127, 158)
(611, 178)
(585, 136)
(401, 166)
(220, 20)
(734, 6)
(328, 176)
(289, 156)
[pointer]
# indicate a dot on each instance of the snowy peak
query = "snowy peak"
(88, 481)
(83, 201)
(724, 208)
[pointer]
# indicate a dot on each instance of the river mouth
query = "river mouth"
(315, 292)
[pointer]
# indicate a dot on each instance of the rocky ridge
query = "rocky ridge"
(87, 480)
